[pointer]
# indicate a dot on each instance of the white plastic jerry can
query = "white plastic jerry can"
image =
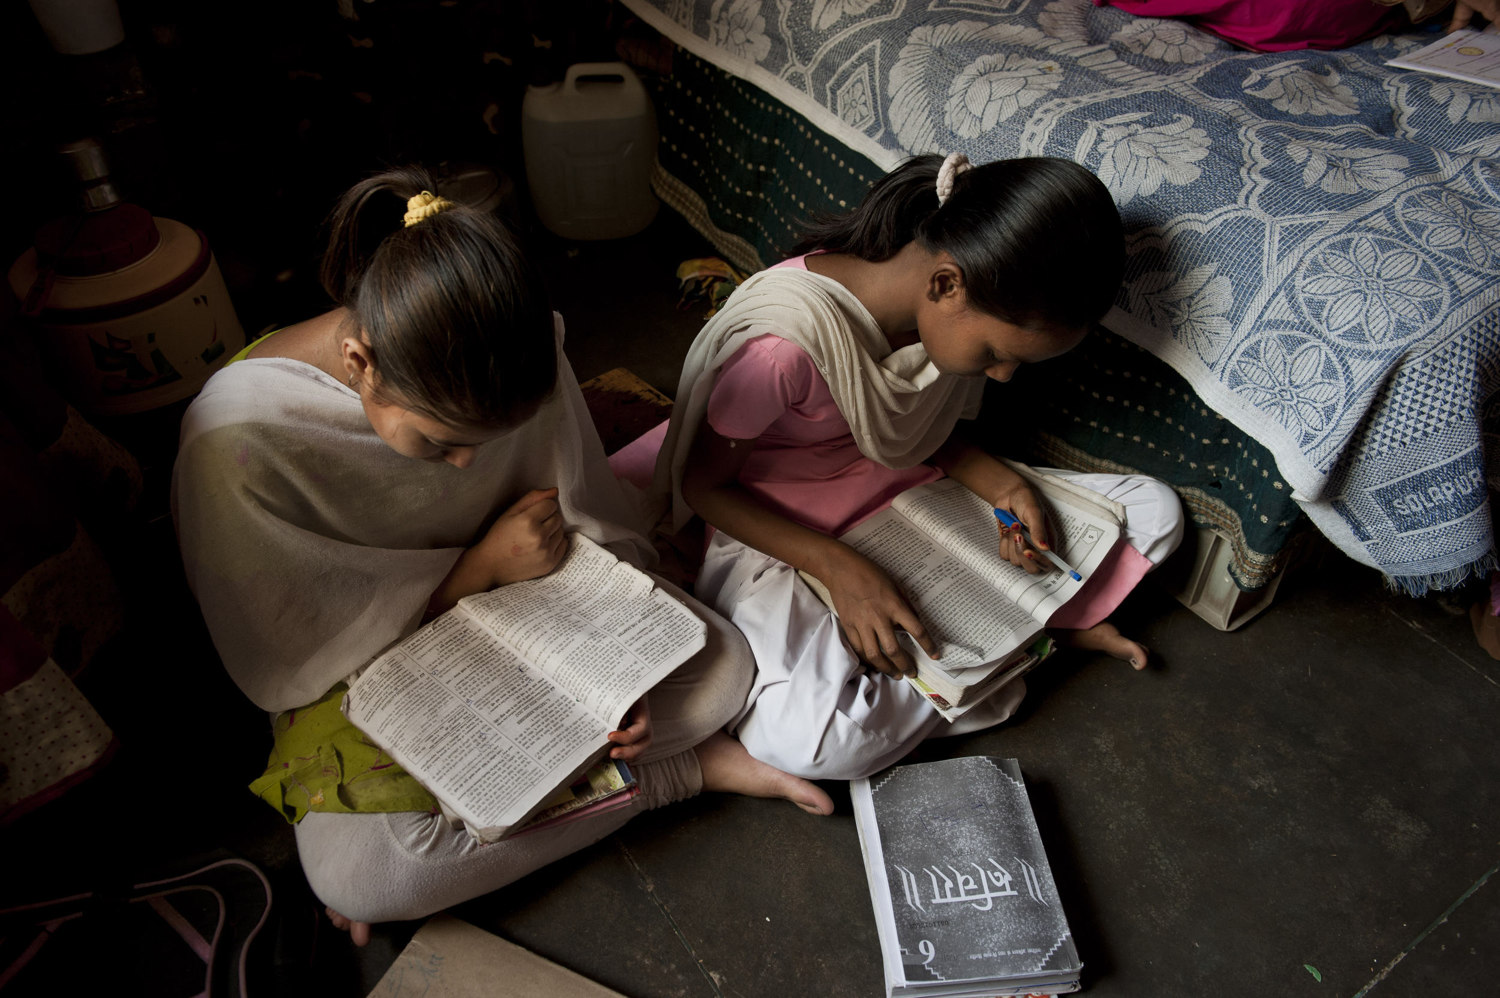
(590, 146)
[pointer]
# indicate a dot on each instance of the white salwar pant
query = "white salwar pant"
(814, 709)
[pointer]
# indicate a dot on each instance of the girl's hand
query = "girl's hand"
(1004, 488)
(1021, 502)
(871, 610)
(1463, 13)
(527, 541)
(634, 738)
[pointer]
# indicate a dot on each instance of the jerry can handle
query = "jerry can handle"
(581, 69)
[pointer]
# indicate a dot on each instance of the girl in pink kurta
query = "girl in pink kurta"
(832, 382)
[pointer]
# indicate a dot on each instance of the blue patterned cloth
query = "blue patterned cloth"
(1314, 237)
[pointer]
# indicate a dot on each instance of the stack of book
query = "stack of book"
(965, 904)
(953, 692)
(607, 785)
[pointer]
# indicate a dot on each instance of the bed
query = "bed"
(1310, 322)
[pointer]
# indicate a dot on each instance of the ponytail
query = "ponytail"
(886, 219)
(458, 322)
(1039, 239)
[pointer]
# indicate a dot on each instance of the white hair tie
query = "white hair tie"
(955, 164)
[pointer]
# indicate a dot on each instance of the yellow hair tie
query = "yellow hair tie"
(425, 205)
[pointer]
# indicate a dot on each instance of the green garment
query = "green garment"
(321, 762)
(245, 350)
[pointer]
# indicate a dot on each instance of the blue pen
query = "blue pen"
(1007, 519)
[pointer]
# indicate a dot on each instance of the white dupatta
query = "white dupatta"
(899, 406)
(311, 545)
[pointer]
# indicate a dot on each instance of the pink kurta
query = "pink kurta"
(805, 465)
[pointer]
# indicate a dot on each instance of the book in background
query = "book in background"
(607, 785)
(965, 902)
(1468, 54)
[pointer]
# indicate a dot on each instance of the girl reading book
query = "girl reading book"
(837, 379)
(361, 471)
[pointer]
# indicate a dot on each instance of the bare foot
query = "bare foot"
(1107, 638)
(359, 932)
(727, 767)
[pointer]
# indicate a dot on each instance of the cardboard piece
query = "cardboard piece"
(449, 958)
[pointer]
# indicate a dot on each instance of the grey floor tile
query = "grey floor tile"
(599, 914)
(1453, 952)
(773, 901)
(1303, 791)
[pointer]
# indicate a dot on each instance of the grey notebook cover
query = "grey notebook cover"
(971, 891)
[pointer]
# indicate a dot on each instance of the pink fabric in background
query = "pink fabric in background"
(1273, 25)
(636, 461)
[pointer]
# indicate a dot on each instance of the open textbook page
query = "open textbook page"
(939, 542)
(510, 694)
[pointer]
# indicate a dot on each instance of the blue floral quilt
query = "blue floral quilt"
(1314, 237)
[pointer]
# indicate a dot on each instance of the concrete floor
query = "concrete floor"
(1307, 806)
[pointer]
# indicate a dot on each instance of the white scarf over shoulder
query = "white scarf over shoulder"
(311, 545)
(899, 406)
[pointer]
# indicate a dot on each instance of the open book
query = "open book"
(939, 544)
(509, 695)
